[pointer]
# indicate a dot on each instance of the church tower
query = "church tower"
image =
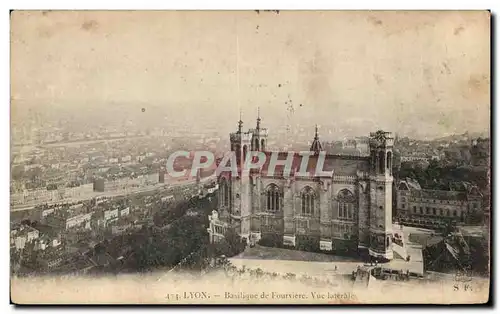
(381, 145)
(240, 143)
(239, 215)
(259, 139)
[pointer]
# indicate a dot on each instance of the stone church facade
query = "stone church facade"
(348, 208)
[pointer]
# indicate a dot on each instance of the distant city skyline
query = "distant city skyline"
(328, 132)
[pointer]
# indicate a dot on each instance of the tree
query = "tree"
(479, 257)
(229, 246)
(184, 244)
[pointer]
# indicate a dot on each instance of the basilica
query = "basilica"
(345, 209)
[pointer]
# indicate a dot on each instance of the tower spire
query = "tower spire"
(240, 123)
(316, 144)
(258, 118)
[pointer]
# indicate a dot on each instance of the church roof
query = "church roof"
(341, 165)
(412, 184)
(459, 191)
(440, 195)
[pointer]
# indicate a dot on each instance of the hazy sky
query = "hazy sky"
(416, 73)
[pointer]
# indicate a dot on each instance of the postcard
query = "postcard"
(250, 157)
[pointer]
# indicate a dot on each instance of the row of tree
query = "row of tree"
(259, 274)
(441, 177)
(181, 241)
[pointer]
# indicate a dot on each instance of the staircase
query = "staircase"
(362, 278)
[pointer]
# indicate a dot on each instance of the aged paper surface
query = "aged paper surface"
(255, 157)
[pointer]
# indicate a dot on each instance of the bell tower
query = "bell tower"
(381, 145)
(240, 185)
(240, 143)
(259, 140)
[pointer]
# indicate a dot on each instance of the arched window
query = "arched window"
(374, 160)
(256, 144)
(225, 193)
(381, 162)
(244, 152)
(237, 150)
(262, 144)
(389, 161)
(308, 199)
(273, 196)
(346, 202)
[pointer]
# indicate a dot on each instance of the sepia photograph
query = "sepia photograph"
(250, 157)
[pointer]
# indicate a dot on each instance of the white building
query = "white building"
(79, 220)
(217, 228)
(25, 234)
(125, 212)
